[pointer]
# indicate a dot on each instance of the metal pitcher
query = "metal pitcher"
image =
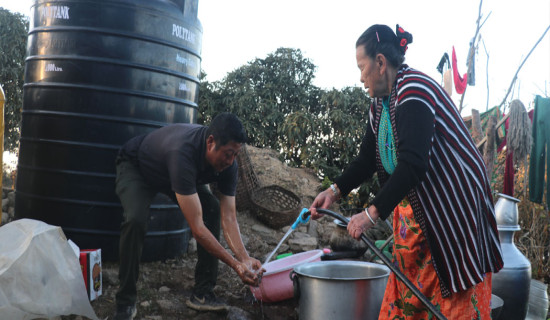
(512, 283)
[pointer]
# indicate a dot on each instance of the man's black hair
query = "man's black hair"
(226, 127)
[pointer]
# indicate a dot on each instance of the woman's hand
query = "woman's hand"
(323, 201)
(360, 222)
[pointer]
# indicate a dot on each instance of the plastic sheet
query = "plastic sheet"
(40, 276)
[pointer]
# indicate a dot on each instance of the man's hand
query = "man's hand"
(250, 271)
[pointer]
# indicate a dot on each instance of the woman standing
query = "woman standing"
(432, 178)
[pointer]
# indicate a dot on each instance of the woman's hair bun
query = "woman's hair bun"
(403, 38)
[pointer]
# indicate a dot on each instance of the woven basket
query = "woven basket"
(276, 206)
(248, 181)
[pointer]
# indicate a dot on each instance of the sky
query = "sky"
(239, 31)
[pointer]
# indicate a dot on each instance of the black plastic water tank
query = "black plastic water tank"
(98, 73)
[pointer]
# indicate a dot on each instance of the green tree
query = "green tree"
(13, 43)
(340, 128)
(210, 100)
(263, 93)
(282, 109)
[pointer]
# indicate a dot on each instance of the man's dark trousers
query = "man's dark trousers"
(136, 196)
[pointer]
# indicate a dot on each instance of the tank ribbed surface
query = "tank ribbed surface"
(98, 73)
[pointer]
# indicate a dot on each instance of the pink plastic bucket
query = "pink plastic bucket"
(276, 284)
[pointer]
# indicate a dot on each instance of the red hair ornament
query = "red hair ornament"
(402, 34)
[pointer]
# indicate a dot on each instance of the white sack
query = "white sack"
(40, 276)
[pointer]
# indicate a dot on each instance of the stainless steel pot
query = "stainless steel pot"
(339, 289)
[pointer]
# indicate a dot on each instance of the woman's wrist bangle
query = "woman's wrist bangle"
(334, 190)
(368, 215)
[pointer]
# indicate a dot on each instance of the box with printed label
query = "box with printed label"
(90, 262)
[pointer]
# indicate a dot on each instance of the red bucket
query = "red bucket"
(276, 284)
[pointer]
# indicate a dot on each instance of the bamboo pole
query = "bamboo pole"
(476, 126)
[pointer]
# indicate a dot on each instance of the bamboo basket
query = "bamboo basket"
(275, 206)
(248, 181)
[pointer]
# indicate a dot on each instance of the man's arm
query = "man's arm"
(230, 227)
(192, 211)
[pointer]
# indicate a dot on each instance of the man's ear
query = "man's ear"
(210, 141)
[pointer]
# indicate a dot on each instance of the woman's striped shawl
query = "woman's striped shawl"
(453, 204)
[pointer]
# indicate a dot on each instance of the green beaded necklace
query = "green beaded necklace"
(386, 140)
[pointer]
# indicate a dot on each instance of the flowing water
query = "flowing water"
(278, 245)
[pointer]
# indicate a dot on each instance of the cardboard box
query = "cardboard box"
(90, 262)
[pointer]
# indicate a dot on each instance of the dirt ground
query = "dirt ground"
(164, 286)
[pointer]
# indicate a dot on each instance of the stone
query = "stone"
(299, 235)
(283, 248)
(11, 197)
(263, 229)
(166, 304)
(5, 217)
(109, 277)
(145, 304)
(164, 289)
(235, 313)
(303, 244)
(5, 204)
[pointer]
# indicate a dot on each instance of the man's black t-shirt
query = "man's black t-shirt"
(172, 159)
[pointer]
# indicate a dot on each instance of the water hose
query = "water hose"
(386, 261)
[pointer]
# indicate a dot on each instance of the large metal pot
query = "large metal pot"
(339, 289)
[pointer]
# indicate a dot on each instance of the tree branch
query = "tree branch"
(486, 74)
(471, 52)
(521, 65)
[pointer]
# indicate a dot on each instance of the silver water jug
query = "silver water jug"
(512, 283)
